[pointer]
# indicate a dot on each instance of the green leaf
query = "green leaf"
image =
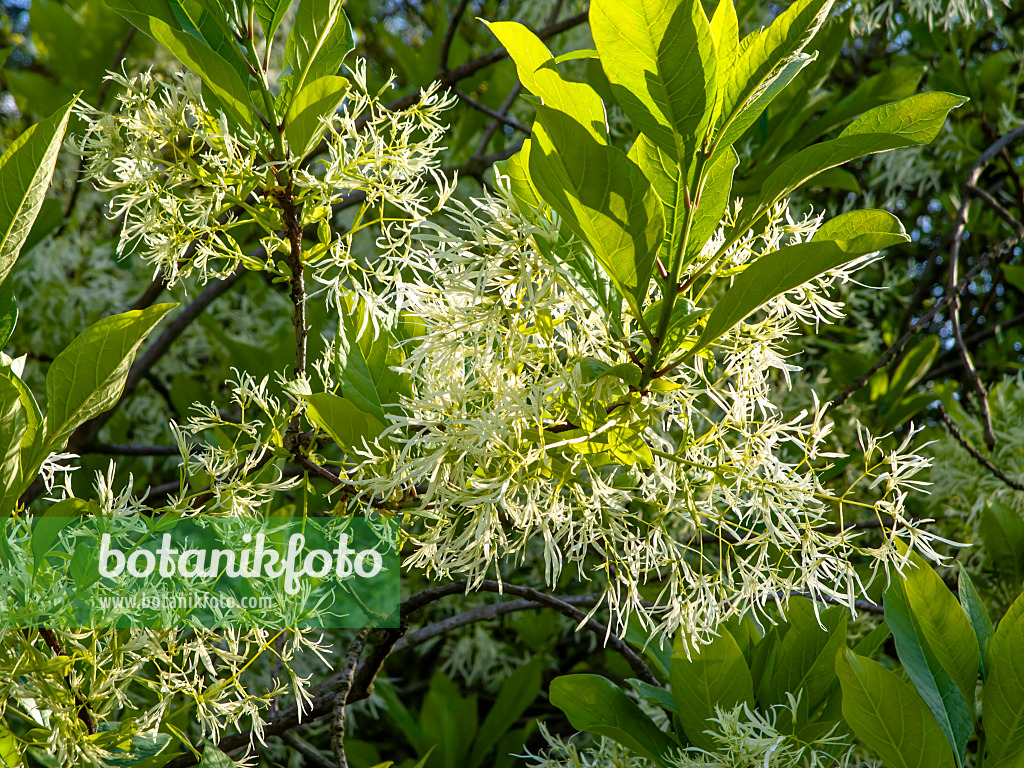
(760, 101)
(215, 758)
(713, 201)
(654, 694)
(977, 614)
(271, 13)
(912, 121)
(887, 714)
(25, 171)
(538, 75)
(13, 426)
(602, 196)
(217, 74)
(347, 425)
(838, 241)
(365, 361)
(943, 623)
(659, 56)
(517, 692)
(142, 748)
(716, 674)
(1003, 694)
(1014, 274)
(873, 640)
(10, 753)
(912, 367)
(317, 99)
(765, 57)
(8, 313)
(46, 529)
(891, 84)
(598, 706)
(87, 378)
(520, 185)
(807, 654)
(1001, 529)
(915, 610)
(319, 42)
(726, 29)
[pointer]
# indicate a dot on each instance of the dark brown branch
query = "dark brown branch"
(492, 128)
(497, 115)
(954, 430)
(449, 38)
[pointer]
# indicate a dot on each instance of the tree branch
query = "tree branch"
(954, 430)
(991, 258)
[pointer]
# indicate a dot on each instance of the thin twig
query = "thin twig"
(311, 754)
(959, 228)
(991, 258)
(510, 122)
(487, 585)
(954, 430)
(449, 38)
(492, 128)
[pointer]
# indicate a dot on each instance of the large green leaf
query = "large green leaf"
(760, 100)
(271, 13)
(887, 714)
(365, 359)
(659, 56)
(539, 76)
(931, 632)
(977, 614)
(139, 13)
(716, 674)
(517, 692)
(347, 425)
(87, 378)
(602, 196)
(912, 121)
(317, 99)
(806, 662)
(835, 243)
(1003, 694)
(598, 706)
(25, 171)
(319, 42)
(762, 58)
(889, 85)
(217, 74)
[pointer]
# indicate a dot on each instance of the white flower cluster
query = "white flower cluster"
(744, 737)
(699, 494)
